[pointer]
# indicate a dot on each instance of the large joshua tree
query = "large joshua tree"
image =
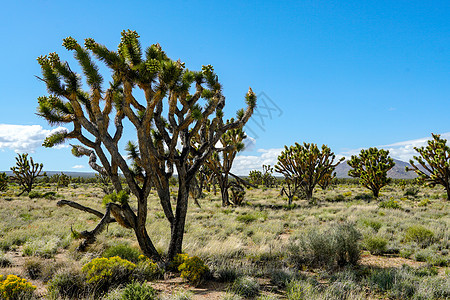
(433, 163)
(221, 163)
(174, 106)
(371, 167)
(304, 166)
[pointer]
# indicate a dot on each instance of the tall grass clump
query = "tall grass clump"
(123, 251)
(334, 247)
(246, 286)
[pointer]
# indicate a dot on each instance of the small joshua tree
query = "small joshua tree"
(26, 172)
(255, 177)
(371, 167)
(304, 166)
(220, 163)
(3, 182)
(434, 160)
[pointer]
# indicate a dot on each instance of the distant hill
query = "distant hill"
(397, 172)
(72, 174)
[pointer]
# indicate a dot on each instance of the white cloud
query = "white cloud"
(78, 167)
(243, 164)
(24, 138)
(403, 151)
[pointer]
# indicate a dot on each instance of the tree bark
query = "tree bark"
(177, 228)
(223, 183)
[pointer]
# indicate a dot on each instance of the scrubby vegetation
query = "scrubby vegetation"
(342, 247)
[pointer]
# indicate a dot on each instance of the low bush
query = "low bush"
(412, 191)
(391, 203)
(5, 261)
(13, 287)
(226, 274)
(193, 269)
(420, 235)
(104, 273)
(42, 248)
(124, 251)
(246, 286)
(146, 269)
(67, 284)
(336, 246)
(376, 245)
(138, 291)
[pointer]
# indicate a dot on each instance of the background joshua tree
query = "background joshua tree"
(371, 167)
(220, 163)
(303, 166)
(434, 161)
(3, 182)
(178, 105)
(26, 171)
(326, 180)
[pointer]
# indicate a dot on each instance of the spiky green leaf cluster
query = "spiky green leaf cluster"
(433, 163)
(371, 167)
(3, 181)
(305, 165)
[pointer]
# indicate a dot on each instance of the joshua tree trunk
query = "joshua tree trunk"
(223, 183)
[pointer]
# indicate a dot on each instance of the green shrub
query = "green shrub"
(300, 290)
(420, 235)
(121, 197)
(104, 273)
(336, 246)
(375, 225)
(42, 248)
(423, 202)
(13, 287)
(391, 203)
(281, 278)
(412, 191)
(68, 283)
(5, 261)
(226, 274)
(376, 245)
(139, 291)
(245, 286)
(193, 269)
(246, 218)
(146, 269)
(124, 251)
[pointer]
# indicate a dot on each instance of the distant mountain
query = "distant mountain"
(397, 172)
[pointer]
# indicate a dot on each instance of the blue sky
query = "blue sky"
(349, 74)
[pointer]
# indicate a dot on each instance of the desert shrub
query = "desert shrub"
(382, 279)
(375, 244)
(281, 278)
(365, 196)
(47, 195)
(138, 291)
(412, 191)
(193, 269)
(146, 269)
(245, 286)
(5, 261)
(336, 246)
(246, 218)
(42, 248)
(13, 287)
(375, 225)
(177, 261)
(420, 235)
(180, 295)
(68, 283)
(226, 274)
(120, 197)
(423, 202)
(300, 290)
(33, 268)
(124, 251)
(391, 203)
(104, 273)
